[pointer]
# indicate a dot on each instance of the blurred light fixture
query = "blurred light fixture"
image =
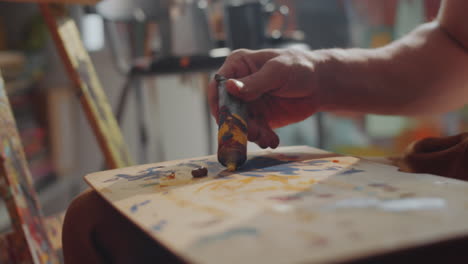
(92, 26)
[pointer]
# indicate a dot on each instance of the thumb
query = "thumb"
(255, 85)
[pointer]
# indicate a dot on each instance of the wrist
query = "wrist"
(326, 65)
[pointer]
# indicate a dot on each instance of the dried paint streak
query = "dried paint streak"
(147, 174)
(238, 183)
(258, 166)
(287, 198)
(316, 162)
(235, 232)
(330, 168)
(202, 208)
(384, 186)
(393, 205)
(159, 172)
(205, 224)
(149, 184)
(325, 195)
(351, 171)
(134, 208)
(159, 226)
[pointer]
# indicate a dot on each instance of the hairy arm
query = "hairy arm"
(425, 72)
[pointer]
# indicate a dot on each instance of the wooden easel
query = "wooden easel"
(28, 242)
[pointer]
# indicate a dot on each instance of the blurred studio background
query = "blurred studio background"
(154, 59)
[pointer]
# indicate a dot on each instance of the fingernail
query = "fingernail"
(239, 84)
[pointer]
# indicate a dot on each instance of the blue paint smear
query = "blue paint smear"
(135, 207)
(159, 226)
(260, 165)
(240, 231)
(151, 173)
(351, 171)
(251, 174)
(316, 162)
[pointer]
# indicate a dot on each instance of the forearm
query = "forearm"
(425, 72)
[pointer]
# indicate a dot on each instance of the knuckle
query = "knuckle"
(276, 64)
(238, 54)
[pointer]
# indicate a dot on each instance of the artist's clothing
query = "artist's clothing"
(94, 232)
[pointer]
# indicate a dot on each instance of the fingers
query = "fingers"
(260, 133)
(236, 65)
(430, 145)
(441, 156)
(239, 64)
(268, 78)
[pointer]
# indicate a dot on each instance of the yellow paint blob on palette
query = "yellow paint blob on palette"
(291, 205)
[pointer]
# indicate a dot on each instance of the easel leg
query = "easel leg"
(88, 87)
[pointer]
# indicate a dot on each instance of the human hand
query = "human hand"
(446, 156)
(279, 87)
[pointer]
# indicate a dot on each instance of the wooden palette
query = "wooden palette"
(292, 205)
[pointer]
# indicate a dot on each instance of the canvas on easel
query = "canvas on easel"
(28, 243)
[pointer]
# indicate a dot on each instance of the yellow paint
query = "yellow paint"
(237, 134)
(311, 181)
(238, 183)
(264, 189)
(305, 216)
(231, 166)
(106, 190)
(198, 207)
(175, 182)
(240, 119)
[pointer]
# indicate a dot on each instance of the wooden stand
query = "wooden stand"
(83, 75)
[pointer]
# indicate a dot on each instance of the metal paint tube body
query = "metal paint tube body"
(232, 129)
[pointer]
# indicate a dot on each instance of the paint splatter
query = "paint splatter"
(351, 171)
(159, 226)
(199, 172)
(134, 208)
(159, 172)
(147, 174)
(235, 232)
